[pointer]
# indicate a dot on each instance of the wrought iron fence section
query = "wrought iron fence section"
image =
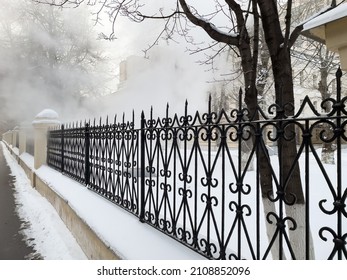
(66, 150)
(113, 161)
(188, 194)
(74, 152)
(225, 184)
(55, 149)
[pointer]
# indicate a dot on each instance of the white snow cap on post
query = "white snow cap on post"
(47, 116)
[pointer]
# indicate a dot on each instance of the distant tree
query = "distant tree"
(54, 53)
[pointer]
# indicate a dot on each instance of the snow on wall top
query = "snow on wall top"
(332, 15)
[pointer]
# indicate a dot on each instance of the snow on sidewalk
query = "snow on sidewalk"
(42, 226)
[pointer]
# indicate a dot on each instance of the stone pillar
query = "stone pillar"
(8, 137)
(44, 120)
(15, 136)
(5, 137)
(22, 134)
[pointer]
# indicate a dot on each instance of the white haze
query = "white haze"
(169, 77)
(43, 61)
(163, 72)
(169, 74)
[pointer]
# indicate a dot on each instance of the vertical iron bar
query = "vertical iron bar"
(86, 159)
(307, 139)
(150, 166)
(339, 159)
(166, 167)
(114, 159)
(280, 192)
(137, 157)
(258, 143)
(157, 150)
(209, 176)
(133, 194)
(185, 172)
(123, 159)
(175, 148)
(62, 149)
(142, 168)
(224, 144)
(195, 229)
(239, 175)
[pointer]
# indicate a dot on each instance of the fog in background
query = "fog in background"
(54, 58)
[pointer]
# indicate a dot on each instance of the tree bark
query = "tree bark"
(290, 187)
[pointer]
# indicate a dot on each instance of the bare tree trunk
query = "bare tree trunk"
(289, 191)
(290, 185)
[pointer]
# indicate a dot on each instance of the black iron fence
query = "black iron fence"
(226, 184)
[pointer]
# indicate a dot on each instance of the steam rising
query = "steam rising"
(51, 58)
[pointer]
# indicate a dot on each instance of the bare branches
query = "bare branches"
(162, 16)
(294, 35)
(60, 3)
(288, 23)
(236, 9)
(255, 38)
(209, 28)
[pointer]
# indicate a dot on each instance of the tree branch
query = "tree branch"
(209, 28)
(288, 23)
(255, 38)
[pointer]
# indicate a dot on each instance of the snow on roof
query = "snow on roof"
(331, 15)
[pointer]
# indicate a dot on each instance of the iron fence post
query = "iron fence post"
(86, 160)
(142, 169)
(339, 203)
(62, 149)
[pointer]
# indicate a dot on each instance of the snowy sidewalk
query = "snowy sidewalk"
(43, 230)
(12, 245)
(118, 229)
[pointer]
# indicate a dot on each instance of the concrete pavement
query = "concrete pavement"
(12, 244)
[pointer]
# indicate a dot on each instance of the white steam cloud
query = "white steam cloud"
(51, 58)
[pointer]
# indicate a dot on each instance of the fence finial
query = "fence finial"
(186, 108)
(338, 84)
(209, 103)
(240, 98)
